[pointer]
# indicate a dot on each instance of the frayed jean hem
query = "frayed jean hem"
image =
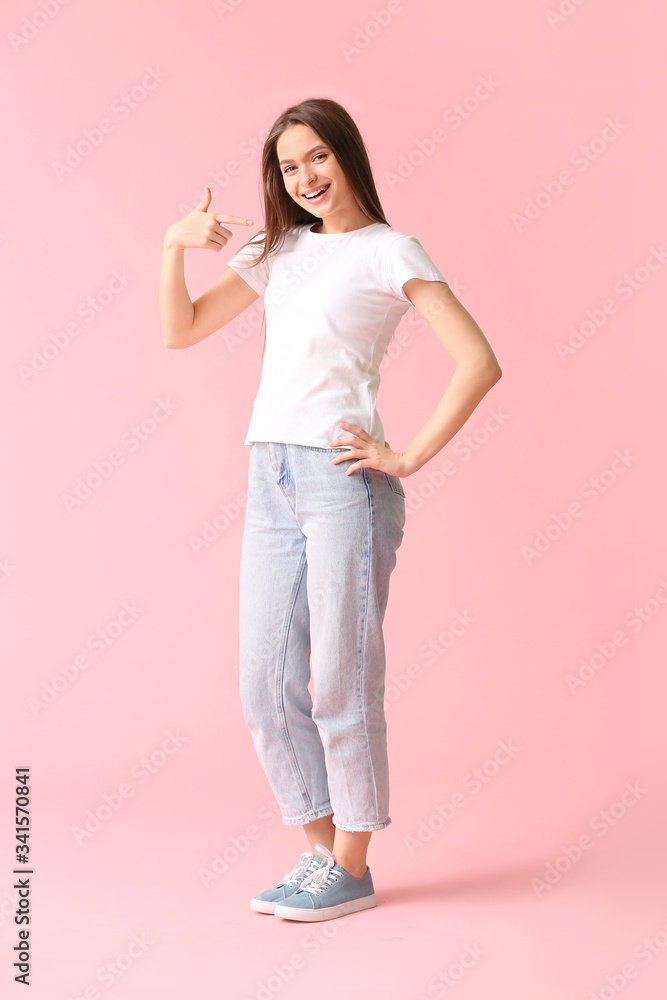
(308, 817)
(327, 811)
(363, 827)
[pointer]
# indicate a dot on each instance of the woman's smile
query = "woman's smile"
(323, 189)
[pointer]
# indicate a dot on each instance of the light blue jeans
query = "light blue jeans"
(317, 552)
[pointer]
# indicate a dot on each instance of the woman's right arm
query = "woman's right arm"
(184, 322)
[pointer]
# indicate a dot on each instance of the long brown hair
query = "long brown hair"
(337, 130)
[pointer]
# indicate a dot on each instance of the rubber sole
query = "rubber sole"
(327, 912)
(262, 905)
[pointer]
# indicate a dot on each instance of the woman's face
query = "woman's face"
(306, 169)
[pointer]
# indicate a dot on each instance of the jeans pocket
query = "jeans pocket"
(395, 484)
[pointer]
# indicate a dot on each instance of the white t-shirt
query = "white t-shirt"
(332, 303)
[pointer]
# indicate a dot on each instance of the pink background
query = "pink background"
(547, 437)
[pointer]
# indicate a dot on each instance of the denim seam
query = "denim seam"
(280, 677)
(369, 565)
(400, 490)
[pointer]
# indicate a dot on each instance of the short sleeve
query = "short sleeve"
(406, 258)
(257, 276)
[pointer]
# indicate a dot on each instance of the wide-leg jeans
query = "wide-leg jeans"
(318, 549)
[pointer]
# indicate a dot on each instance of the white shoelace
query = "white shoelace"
(300, 868)
(320, 879)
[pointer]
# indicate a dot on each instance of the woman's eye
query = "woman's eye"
(287, 169)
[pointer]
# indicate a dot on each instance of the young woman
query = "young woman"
(326, 506)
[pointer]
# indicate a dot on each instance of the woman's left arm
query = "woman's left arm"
(477, 368)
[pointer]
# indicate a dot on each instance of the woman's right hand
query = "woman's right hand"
(204, 229)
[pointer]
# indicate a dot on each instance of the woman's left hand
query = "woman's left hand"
(371, 454)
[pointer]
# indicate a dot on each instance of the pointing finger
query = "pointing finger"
(231, 218)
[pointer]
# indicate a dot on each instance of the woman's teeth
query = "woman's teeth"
(316, 197)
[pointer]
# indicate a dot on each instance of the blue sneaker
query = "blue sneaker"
(328, 892)
(265, 902)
